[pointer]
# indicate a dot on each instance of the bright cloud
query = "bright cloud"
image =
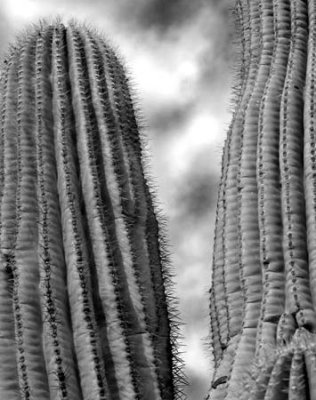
(203, 130)
(195, 357)
(29, 11)
(21, 10)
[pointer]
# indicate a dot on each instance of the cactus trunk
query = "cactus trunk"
(86, 310)
(263, 296)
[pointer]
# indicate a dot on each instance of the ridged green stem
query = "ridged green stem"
(272, 354)
(86, 307)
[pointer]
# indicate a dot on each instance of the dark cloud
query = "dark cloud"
(197, 197)
(165, 117)
(215, 80)
(196, 191)
(164, 14)
(216, 61)
(192, 304)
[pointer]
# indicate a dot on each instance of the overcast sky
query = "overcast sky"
(179, 54)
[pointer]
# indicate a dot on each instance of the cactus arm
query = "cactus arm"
(87, 310)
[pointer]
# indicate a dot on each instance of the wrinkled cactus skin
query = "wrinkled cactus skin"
(263, 294)
(86, 309)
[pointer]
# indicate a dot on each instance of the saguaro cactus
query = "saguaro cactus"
(263, 296)
(86, 310)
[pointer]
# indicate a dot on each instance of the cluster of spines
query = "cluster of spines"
(263, 296)
(86, 309)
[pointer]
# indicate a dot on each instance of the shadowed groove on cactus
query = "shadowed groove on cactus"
(267, 193)
(86, 310)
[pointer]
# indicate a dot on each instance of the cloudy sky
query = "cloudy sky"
(179, 54)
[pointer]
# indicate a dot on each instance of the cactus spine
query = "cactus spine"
(263, 298)
(86, 310)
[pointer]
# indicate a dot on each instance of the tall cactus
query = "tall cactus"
(263, 295)
(86, 310)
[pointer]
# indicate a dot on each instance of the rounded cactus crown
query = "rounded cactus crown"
(86, 310)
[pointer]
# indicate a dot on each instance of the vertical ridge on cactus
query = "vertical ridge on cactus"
(225, 236)
(248, 203)
(268, 175)
(86, 334)
(86, 306)
(31, 363)
(267, 193)
(232, 236)
(299, 299)
(309, 146)
(52, 265)
(8, 368)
